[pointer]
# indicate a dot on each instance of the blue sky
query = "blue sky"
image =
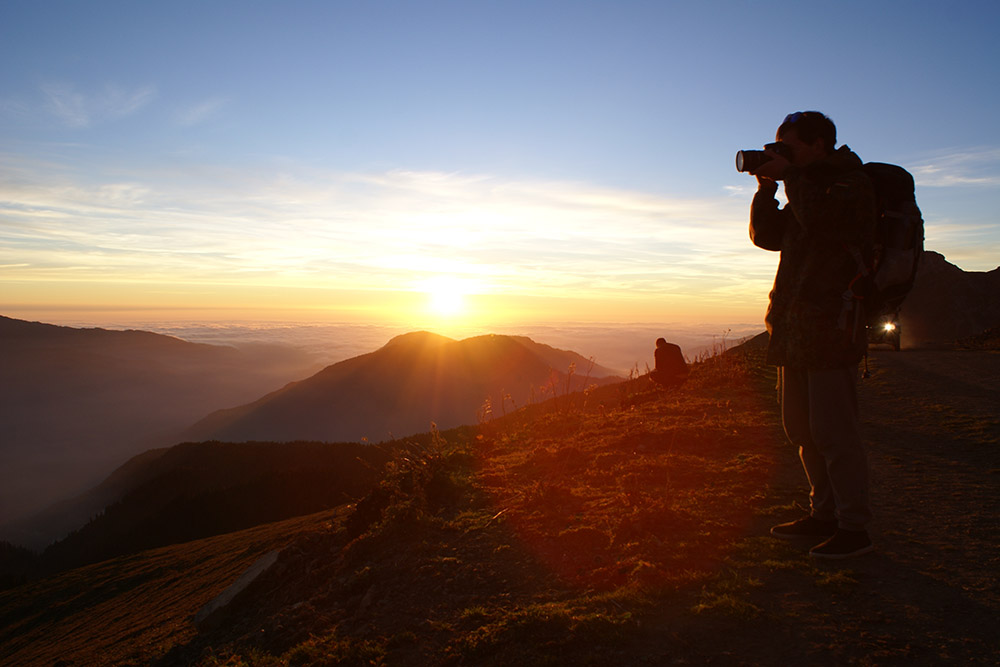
(561, 160)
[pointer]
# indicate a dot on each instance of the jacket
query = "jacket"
(813, 317)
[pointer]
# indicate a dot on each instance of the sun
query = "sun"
(445, 296)
(447, 303)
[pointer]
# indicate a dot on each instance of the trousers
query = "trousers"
(819, 412)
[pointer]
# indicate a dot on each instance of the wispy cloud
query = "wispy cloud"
(80, 109)
(202, 111)
(975, 167)
(741, 190)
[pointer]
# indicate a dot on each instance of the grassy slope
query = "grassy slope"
(623, 526)
(132, 608)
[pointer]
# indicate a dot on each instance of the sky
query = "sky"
(457, 164)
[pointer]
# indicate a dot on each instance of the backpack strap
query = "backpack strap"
(851, 298)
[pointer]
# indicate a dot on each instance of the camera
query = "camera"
(752, 160)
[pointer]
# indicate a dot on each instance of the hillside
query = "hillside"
(622, 526)
(196, 490)
(414, 380)
(129, 610)
(76, 403)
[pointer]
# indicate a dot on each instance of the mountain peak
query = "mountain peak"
(420, 338)
(415, 379)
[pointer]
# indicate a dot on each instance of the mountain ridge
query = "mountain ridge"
(416, 379)
(196, 490)
(95, 373)
(76, 403)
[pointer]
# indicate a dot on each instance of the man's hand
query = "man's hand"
(773, 169)
(766, 185)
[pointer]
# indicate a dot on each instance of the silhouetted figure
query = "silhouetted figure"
(671, 369)
(817, 335)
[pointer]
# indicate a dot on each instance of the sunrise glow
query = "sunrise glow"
(446, 296)
(286, 189)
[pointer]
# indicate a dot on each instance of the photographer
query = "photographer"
(816, 327)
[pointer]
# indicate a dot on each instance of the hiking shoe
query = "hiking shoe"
(843, 544)
(807, 526)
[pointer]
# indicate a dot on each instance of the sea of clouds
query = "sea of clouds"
(619, 347)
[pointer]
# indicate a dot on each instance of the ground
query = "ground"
(625, 526)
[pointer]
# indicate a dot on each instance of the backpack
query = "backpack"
(899, 240)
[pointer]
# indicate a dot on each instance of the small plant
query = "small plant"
(503, 403)
(477, 614)
(252, 658)
(569, 377)
(335, 650)
(836, 579)
(728, 604)
(485, 413)
(588, 394)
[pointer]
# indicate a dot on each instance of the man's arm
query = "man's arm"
(767, 221)
(841, 211)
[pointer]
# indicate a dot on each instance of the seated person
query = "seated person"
(671, 369)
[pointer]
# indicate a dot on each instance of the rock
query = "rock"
(204, 615)
(947, 304)
(368, 599)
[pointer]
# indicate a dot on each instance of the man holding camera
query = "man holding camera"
(816, 326)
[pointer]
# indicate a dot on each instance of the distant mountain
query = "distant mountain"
(195, 490)
(948, 304)
(414, 380)
(75, 403)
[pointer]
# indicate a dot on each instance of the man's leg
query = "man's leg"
(835, 434)
(797, 406)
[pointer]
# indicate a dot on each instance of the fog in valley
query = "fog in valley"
(622, 347)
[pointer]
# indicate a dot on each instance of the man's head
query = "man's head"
(809, 134)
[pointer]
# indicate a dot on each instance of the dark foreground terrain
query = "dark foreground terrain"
(624, 525)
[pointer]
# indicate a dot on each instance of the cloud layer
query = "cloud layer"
(391, 230)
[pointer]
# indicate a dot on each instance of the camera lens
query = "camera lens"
(739, 160)
(750, 160)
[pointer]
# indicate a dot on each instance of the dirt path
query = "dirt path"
(930, 593)
(933, 428)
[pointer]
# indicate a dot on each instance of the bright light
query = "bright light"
(446, 303)
(890, 326)
(445, 295)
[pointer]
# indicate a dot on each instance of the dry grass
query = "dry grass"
(624, 525)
